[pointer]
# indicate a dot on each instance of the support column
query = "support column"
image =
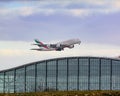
(67, 73)
(46, 76)
(35, 77)
(110, 74)
(57, 74)
(100, 74)
(78, 75)
(25, 77)
(14, 80)
(89, 73)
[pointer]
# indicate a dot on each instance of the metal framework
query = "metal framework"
(70, 73)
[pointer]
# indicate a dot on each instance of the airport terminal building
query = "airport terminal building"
(69, 73)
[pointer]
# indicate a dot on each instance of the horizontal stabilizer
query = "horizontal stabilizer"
(35, 44)
(39, 45)
(36, 49)
(33, 49)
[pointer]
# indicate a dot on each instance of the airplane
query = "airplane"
(56, 47)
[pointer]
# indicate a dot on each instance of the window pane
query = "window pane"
(51, 75)
(20, 80)
(73, 74)
(1, 82)
(41, 76)
(94, 74)
(62, 74)
(116, 75)
(83, 73)
(30, 78)
(105, 74)
(9, 82)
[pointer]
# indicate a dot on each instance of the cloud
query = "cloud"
(9, 52)
(76, 8)
(116, 5)
(26, 11)
(79, 12)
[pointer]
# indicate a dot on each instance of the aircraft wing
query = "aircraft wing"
(36, 49)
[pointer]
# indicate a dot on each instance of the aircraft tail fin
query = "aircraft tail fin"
(37, 41)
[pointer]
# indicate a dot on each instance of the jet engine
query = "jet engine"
(58, 45)
(48, 45)
(71, 46)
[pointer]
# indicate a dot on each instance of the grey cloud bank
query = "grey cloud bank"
(98, 28)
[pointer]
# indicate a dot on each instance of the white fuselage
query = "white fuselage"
(58, 46)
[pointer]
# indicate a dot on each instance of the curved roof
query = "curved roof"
(32, 63)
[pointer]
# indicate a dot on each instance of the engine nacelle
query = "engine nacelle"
(48, 45)
(58, 45)
(71, 46)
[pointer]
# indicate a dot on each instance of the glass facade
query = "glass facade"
(9, 82)
(62, 74)
(51, 75)
(41, 76)
(1, 82)
(20, 80)
(94, 74)
(30, 78)
(83, 73)
(72, 73)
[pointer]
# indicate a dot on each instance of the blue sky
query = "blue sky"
(95, 23)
